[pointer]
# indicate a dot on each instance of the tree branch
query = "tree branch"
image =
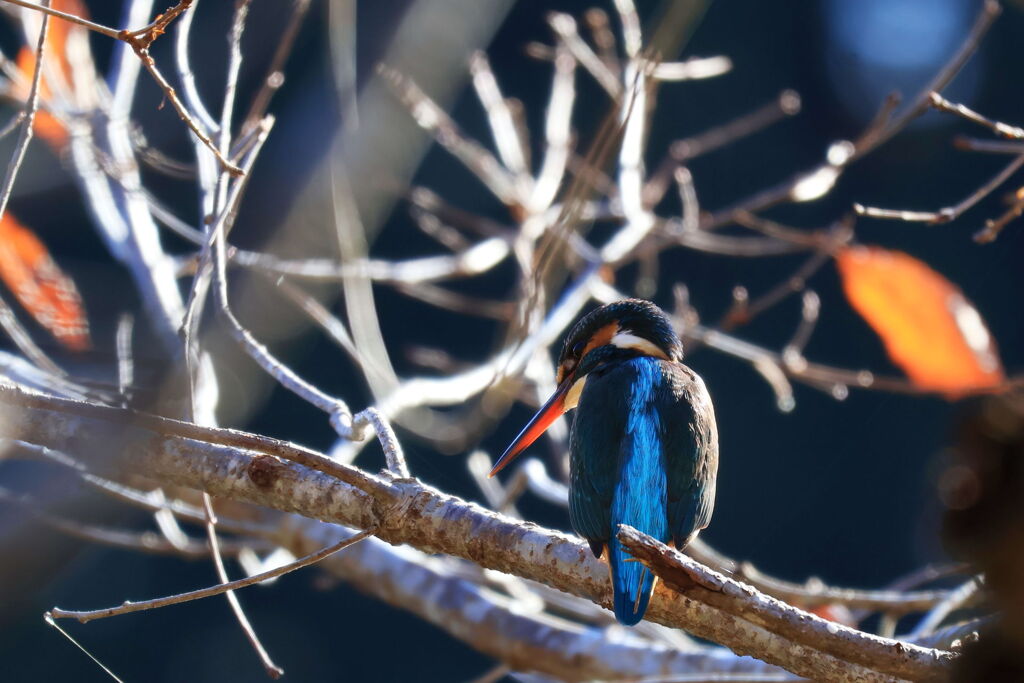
(522, 639)
(693, 580)
(406, 511)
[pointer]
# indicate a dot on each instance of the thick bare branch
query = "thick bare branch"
(405, 511)
(522, 639)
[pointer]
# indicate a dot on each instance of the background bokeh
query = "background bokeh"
(843, 490)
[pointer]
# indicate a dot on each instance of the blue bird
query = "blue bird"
(643, 445)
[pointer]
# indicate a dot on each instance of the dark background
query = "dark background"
(843, 490)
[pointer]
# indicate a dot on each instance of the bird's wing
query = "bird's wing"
(597, 432)
(691, 452)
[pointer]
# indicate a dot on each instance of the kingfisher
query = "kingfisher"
(643, 445)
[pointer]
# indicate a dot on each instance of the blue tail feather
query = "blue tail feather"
(630, 580)
(640, 495)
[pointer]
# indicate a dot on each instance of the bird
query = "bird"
(643, 445)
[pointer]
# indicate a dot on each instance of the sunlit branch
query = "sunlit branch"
(406, 511)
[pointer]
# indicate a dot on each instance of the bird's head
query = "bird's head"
(615, 332)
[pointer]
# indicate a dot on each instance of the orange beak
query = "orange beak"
(548, 413)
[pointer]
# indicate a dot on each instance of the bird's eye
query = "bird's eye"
(577, 349)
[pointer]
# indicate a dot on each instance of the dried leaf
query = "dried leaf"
(39, 284)
(927, 325)
(46, 125)
(58, 37)
(58, 44)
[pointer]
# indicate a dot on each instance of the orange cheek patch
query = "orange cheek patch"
(601, 337)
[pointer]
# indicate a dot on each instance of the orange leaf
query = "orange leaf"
(49, 128)
(39, 284)
(58, 36)
(60, 30)
(27, 67)
(927, 325)
(46, 125)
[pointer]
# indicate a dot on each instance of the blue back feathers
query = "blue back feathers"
(640, 494)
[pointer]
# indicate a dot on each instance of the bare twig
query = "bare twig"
(885, 127)
(275, 77)
(786, 104)
(48, 11)
(147, 34)
(1002, 129)
(49, 620)
(503, 128)
(23, 340)
(187, 76)
(993, 227)
(948, 213)
(183, 113)
(31, 106)
(145, 541)
(814, 592)
(128, 607)
(954, 601)
(565, 27)
(432, 118)
(144, 36)
(272, 669)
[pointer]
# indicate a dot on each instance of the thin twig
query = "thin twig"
(147, 34)
(602, 35)
(47, 10)
(183, 113)
(886, 128)
(144, 36)
(145, 541)
(814, 592)
(395, 458)
(432, 118)
(48, 618)
(988, 146)
(948, 213)
(151, 500)
(682, 151)
(499, 116)
(23, 340)
(334, 407)
(275, 77)
(993, 227)
(815, 183)
(128, 607)
(954, 601)
(565, 27)
(186, 75)
(1004, 130)
(31, 106)
(272, 669)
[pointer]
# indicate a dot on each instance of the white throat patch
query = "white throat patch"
(572, 397)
